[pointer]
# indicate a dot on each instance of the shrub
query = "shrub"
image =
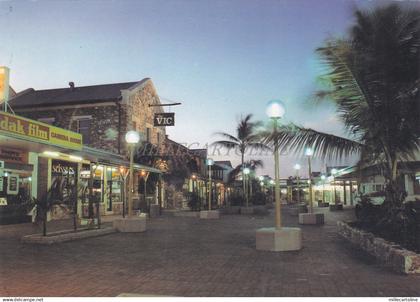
(236, 199)
(398, 224)
(194, 202)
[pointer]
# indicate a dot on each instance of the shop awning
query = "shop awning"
(109, 158)
(147, 168)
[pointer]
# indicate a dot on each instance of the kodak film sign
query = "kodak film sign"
(4, 84)
(39, 132)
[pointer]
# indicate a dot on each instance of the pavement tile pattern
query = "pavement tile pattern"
(186, 256)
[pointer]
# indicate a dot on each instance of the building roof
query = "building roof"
(224, 162)
(71, 95)
(199, 152)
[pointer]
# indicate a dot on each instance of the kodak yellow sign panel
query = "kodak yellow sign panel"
(4, 84)
(39, 132)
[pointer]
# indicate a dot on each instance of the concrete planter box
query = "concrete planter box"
(279, 240)
(247, 210)
(260, 210)
(67, 235)
(311, 218)
(213, 214)
(323, 204)
(130, 225)
(336, 207)
(389, 254)
(230, 210)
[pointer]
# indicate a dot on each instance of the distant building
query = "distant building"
(370, 179)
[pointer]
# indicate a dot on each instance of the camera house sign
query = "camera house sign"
(164, 119)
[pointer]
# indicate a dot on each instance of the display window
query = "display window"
(15, 187)
(64, 181)
(113, 189)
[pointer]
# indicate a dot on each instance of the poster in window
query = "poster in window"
(12, 184)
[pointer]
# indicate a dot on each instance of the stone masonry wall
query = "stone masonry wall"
(390, 254)
(104, 123)
(140, 115)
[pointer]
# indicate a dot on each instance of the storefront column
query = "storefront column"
(105, 197)
(79, 199)
(49, 180)
(33, 160)
(345, 192)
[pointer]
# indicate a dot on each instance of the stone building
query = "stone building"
(101, 113)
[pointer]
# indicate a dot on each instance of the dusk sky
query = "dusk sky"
(220, 59)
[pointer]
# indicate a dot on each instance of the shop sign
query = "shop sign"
(13, 156)
(62, 168)
(3, 201)
(1, 182)
(39, 132)
(12, 184)
(164, 119)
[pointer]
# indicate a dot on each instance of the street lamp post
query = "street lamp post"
(123, 176)
(323, 188)
(261, 179)
(333, 173)
(246, 172)
(272, 184)
(194, 178)
(297, 168)
(275, 111)
(132, 138)
(309, 152)
(209, 164)
(277, 239)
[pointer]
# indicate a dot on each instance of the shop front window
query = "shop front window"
(97, 185)
(83, 127)
(64, 182)
(15, 188)
(113, 186)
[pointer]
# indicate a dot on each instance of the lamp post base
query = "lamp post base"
(311, 218)
(336, 207)
(279, 240)
(214, 214)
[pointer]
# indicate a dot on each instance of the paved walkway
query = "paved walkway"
(182, 256)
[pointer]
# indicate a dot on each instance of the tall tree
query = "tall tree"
(246, 139)
(373, 78)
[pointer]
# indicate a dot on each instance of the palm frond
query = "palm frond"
(293, 138)
(228, 136)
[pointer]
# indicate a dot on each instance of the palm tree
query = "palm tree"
(252, 165)
(373, 79)
(245, 139)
